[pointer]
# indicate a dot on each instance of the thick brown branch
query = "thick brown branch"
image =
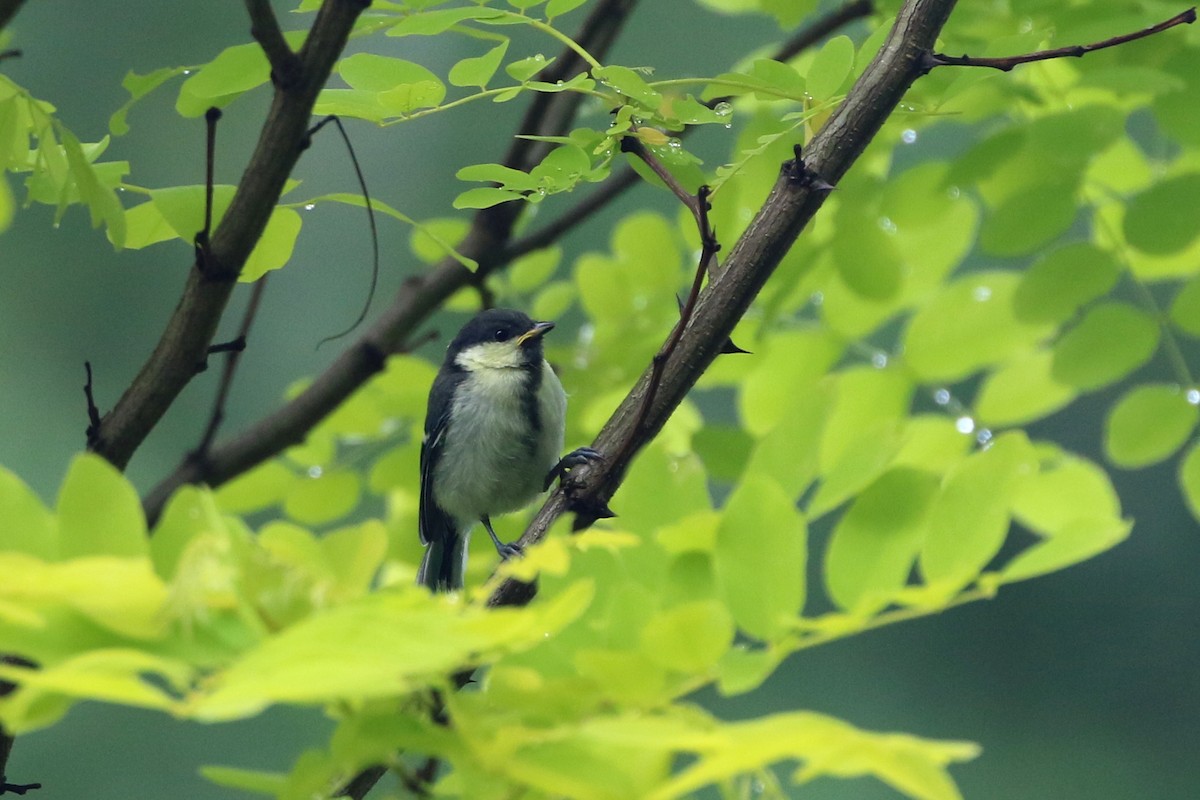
(1007, 63)
(797, 195)
(190, 330)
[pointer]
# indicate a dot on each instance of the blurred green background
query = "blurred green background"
(1084, 684)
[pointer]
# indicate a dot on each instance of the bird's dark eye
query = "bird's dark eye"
(500, 335)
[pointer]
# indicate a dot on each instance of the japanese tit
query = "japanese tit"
(493, 432)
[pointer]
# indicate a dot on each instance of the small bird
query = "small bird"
(493, 432)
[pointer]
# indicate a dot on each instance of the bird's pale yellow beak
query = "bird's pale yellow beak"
(538, 329)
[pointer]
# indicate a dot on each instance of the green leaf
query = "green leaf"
(99, 512)
(138, 87)
(233, 72)
(1066, 489)
(1189, 479)
(867, 259)
(6, 204)
(1029, 219)
(1062, 281)
(28, 527)
(325, 498)
(485, 197)
(478, 70)
(1021, 391)
(274, 247)
(526, 68)
(790, 367)
(968, 519)
(306, 662)
(1160, 220)
(1185, 308)
(760, 558)
(1112, 340)
(183, 207)
(628, 83)
(249, 780)
(830, 68)
(431, 23)
(688, 638)
(1076, 542)
(1148, 424)
(876, 541)
(101, 200)
(968, 325)
(513, 179)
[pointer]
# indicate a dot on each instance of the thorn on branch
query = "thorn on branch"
(232, 346)
(930, 59)
(17, 788)
(93, 428)
(802, 176)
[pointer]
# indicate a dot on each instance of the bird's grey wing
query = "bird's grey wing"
(434, 524)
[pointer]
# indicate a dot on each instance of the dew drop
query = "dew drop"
(984, 437)
(309, 206)
(886, 224)
(1193, 396)
(942, 397)
(981, 294)
(722, 109)
(909, 136)
(964, 424)
(315, 471)
(817, 299)
(953, 192)
(879, 360)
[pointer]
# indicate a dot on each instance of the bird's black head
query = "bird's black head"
(499, 338)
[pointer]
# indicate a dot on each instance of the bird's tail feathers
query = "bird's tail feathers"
(445, 563)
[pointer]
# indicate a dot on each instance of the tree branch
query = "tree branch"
(798, 193)
(8, 9)
(485, 242)
(1007, 63)
(264, 27)
(190, 330)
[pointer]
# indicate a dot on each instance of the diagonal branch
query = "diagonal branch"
(1007, 63)
(488, 243)
(190, 330)
(799, 192)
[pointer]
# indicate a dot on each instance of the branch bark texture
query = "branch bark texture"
(797, 195)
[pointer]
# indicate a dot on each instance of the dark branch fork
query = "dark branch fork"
(488, 242)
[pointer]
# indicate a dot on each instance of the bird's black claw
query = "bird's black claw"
(576, 458)
(508, 551)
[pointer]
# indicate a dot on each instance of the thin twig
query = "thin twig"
(264, 27)
(362, 184)
(6, 741)
(93, 413)
(822, 27)
(203, 255)
(14, 53)
(1007, 63)
(234, 350)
